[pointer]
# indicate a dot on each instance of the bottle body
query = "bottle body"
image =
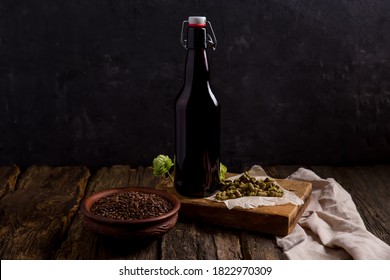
(197, 128)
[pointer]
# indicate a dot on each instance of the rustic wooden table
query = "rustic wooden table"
(40, 216)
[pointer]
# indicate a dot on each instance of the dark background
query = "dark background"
(93, 82)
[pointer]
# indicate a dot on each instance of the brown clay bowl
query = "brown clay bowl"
(142, 228)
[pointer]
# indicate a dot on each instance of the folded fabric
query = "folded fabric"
(331, 226)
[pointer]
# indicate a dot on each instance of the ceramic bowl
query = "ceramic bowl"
(142, 228)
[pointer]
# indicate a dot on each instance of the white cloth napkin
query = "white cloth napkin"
(330, 227)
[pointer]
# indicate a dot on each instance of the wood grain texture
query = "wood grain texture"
(181, 243)
(84, 244)
(256, 246)
(201, 241)
(35, 217)
(227, 243)
(40, 216)
(8, 178)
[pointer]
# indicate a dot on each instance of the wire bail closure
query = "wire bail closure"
(211, 40)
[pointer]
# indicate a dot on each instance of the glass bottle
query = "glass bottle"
(197, 118)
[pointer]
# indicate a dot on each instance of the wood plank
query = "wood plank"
(35, 217)
(227, 244)
(278, 220)
(257, 246)
(84, 244)
(369, 187)
(181, 243)
(191, 241)
(8, 178)
(201, 241)
(147, 179)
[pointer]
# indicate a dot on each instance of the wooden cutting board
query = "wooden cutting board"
(278, 220)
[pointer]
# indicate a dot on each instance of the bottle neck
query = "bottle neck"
(196, 38)
(197, 68)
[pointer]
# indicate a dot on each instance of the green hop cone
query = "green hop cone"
(161, 166)
(222, 171)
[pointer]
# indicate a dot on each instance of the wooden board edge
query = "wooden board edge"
(200, 210)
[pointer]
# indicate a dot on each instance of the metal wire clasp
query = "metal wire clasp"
(211, 40)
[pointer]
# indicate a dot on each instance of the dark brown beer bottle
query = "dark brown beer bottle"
(197, 118)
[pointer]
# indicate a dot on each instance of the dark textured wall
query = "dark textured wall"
(93, 82)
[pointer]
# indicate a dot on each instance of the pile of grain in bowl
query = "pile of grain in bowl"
(131, 206)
